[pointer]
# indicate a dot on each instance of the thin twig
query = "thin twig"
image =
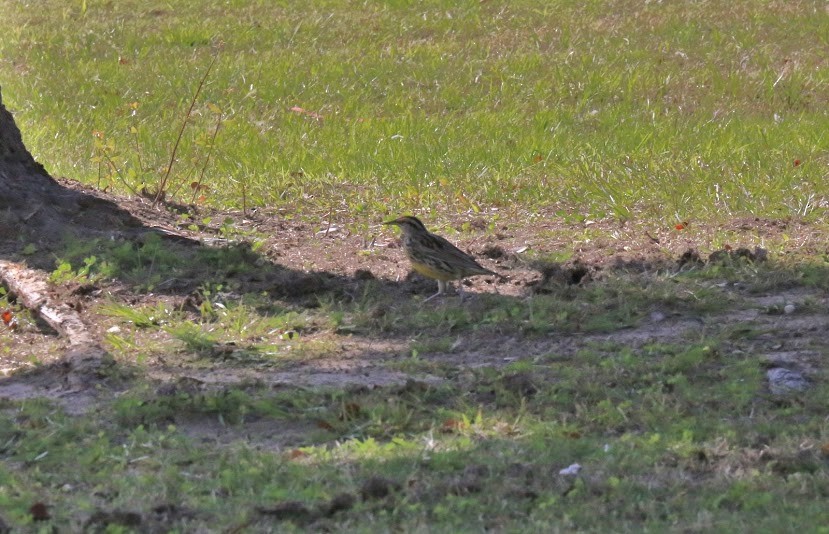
(162, 185)
(138, 150)
(118, 173)
(244, 197)
(207, 159)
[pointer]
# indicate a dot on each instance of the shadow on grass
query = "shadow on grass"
(482, 449)
(91, 246)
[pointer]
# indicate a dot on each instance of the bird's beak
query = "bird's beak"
(393, 221)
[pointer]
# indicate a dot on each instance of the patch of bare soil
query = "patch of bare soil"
(301, 260)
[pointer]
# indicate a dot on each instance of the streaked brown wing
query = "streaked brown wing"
(456, 256)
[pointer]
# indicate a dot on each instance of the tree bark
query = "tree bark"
(37, 210)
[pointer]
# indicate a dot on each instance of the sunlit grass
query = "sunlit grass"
(621, 109)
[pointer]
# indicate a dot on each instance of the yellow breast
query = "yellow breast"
(430, 272)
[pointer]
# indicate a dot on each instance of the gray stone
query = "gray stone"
(782, 380)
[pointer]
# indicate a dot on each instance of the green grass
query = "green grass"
(672, 434)
(657, 112)
(669, 437)
(623, 109)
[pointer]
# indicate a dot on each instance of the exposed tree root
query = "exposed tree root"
(31, 289)
(85, 356)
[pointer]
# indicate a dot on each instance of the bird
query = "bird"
(435, 257)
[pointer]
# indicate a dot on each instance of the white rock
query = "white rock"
(782, 380)
(571, 470)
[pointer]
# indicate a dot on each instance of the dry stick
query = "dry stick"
(118, 173)
(32, 289)
(138, 150)
(207, 160)
(244, 197)
(175, 191)
(162, 185)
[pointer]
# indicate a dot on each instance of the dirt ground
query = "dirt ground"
(302, 258)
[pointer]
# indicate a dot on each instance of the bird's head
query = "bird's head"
(408, 224)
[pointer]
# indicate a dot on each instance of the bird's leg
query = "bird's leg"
(461, 293)
(441, 290)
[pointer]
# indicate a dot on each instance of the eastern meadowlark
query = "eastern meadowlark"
(435, 257)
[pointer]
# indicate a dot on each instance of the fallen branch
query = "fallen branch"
(31, 289)
(85, 361)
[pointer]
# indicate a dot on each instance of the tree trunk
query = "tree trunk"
(37, 210)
